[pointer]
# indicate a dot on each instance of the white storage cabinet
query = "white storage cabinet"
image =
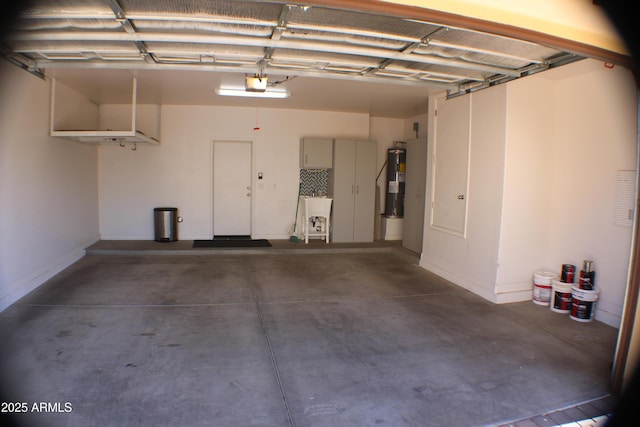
(353, 187)
(316, 153)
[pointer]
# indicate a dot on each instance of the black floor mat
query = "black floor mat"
(232, 243)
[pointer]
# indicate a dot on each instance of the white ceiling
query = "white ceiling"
(336, 59)
(105, 86)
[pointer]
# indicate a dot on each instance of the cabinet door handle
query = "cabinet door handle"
(306, 159)
(352, 189)
(357, 189)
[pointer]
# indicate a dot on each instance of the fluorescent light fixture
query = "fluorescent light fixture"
(244, 93)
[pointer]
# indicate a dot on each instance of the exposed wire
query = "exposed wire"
(286, 79)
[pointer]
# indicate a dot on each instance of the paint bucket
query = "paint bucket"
(542, 287)
(583, 304)
(568, 273)
(587, 280)
(560, 297)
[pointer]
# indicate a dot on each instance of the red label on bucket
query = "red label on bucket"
(541, 293)
(562, 300)
(581, 309)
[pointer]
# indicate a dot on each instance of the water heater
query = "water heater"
(396, 172)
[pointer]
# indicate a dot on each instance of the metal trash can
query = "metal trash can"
(165, 222)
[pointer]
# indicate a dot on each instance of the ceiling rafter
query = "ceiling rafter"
(252, 41)
(276, 34)
(129, 28)
(407, 49)
(269, 35)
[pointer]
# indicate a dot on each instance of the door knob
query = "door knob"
(248, 194)
(248, 187)
(460, 196)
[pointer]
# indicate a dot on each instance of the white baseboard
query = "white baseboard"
(127, 237)
(513, 292)
(186, 236)
(456, 280)
(392, 237)
(514, 296)
(17, 289)
(502, 288)
(608, 313)
(506, 293)
(190, 237)
(274, 236)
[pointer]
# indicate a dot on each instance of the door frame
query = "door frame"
(212, 178)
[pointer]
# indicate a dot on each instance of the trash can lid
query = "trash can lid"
(165, 209)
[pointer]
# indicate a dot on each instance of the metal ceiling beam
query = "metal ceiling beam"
(283, 20)
(213, 19)
(414, 42)
(250, 41)
(407, 50)
(386, 54)
(282, 23)
(277, 32)
(124, 65)
(65, 15)
(117, 9)
(129, 28)
(22, 61)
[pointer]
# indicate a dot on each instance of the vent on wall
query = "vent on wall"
(625, 198)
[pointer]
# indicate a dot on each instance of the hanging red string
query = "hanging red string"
(257, 126)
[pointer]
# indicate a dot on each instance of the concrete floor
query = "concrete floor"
(291, 337)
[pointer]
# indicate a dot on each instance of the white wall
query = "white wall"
(422, 121)
(567, 133)
(48, 189)
(596, 136)
(526, 205)
(471, 262)
(179, 171)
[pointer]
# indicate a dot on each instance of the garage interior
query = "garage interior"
(113, 108)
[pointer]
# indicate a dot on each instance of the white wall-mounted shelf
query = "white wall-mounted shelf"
(92, 136)
(105, 136)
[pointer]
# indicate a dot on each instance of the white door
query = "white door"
(451, 165)
(232, 188)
